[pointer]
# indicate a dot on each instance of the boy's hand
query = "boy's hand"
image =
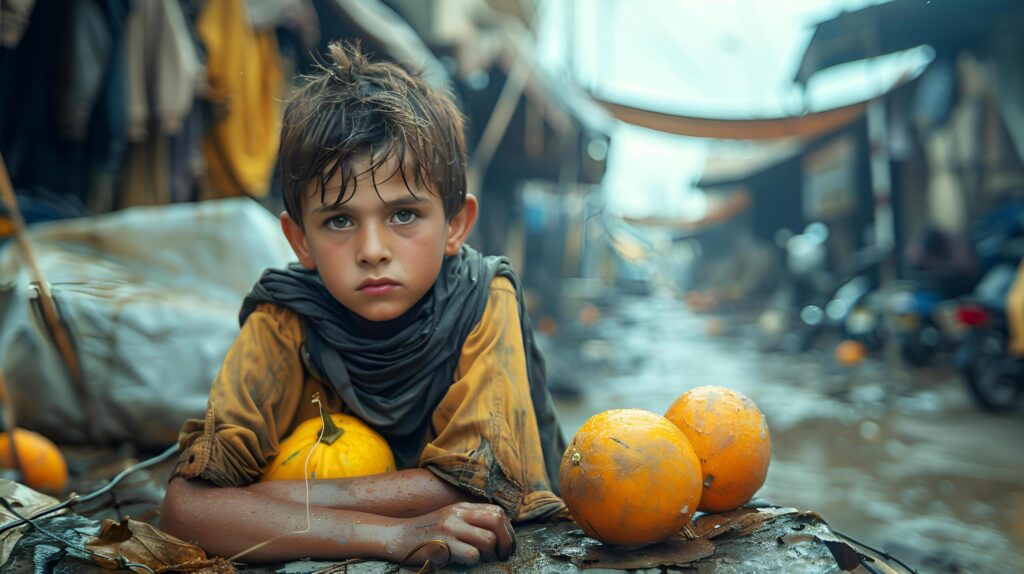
(474, 532)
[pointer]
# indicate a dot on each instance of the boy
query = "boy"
(390, 317)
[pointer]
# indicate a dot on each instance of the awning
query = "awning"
(946, 25)
(807, 125)
(732, 163)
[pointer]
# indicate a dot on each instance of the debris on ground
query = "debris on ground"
(759, 537)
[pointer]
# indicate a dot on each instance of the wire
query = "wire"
(10, 507)
(881, 553)
(427, 566)
(305, 479)
(75, 499)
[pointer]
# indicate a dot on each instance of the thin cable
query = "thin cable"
(75, 499)
(427, 567)
(305, 479)
(881, 553)
(121, 560)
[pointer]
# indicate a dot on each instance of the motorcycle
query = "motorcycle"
(923, 322)
(855, 309)
(993, 375)
(852, 309)
(941, 267)
(789, 323)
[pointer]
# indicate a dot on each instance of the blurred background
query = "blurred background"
(819, 203)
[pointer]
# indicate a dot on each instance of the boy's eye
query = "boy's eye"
(339, 222)
(403, 216)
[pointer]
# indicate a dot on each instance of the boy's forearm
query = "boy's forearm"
(226, 521)
(405, 493)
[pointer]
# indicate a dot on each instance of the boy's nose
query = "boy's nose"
(373, 247)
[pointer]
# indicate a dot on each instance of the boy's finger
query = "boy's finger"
(509, 547)
(505, 544)
(496, 522)
(463, 553)
(482, 539)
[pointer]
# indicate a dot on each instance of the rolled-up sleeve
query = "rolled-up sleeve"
(253, 401)
(487, 441)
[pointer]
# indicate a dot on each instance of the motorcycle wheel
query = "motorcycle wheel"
(918, 349)
(994, 378)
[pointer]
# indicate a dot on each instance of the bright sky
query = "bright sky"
(711, 58)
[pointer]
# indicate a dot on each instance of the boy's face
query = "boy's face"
(377, 254)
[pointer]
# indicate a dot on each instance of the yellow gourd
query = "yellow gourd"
(349, 448)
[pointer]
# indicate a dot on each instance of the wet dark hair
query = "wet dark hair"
(357, 114)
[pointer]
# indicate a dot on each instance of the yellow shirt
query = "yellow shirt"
(483, 436)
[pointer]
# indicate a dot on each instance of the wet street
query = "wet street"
(899, 459)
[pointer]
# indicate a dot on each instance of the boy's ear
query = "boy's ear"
(297, 239)
(460, 225)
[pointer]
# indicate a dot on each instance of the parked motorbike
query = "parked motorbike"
(923, 322)
(851, 309)
(994, 377)
(941, 267)
(856, 310)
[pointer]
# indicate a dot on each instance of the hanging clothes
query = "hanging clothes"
(164, 72)
(186, 157)
(28, 134)
(91, 107)
(163, 69)
(146, 177)
(245, 89)
(14, 16)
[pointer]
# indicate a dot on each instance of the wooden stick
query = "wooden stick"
(60, 335)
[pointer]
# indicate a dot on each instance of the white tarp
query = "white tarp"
(151, 295)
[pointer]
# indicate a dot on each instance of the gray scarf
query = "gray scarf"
(394, 376)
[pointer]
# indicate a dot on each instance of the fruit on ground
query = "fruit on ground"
(715, 327)
(849, 353)
(349, 448)
(731, 439)
(589, 315)
(42, 464)
(630, 478)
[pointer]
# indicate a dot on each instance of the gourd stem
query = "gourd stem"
(331, 430)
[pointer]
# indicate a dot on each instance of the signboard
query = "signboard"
(830, 180)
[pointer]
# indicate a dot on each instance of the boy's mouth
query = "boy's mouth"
(377, 286)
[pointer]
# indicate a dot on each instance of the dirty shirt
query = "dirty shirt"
(482, 436)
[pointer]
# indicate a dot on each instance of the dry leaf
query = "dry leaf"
(139, 543)
(739, 522)
(27, 502)
(673, 552)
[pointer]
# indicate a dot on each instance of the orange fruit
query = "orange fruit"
(630, 478)
(41, 462)
(589, 315)
(731, 439)
(849, 353)
(715, 327)
(547, 325)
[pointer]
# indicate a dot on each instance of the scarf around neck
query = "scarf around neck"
(395, 377)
